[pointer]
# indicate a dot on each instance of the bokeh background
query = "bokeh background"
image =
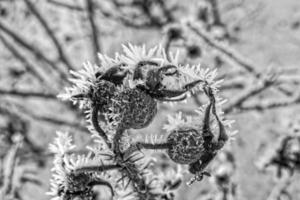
(254, 41)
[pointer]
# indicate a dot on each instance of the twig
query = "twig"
(50, 33)
(94, 29)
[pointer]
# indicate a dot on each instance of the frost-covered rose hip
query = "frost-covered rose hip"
(197, 147)
(186, 146)
(138, 108)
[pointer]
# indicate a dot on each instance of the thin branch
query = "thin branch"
(167, 12)
(17, 110)
(65, 5)
(95, 122)
(252, 91)
(269, 105)
(141, 145)
(150, 21)
(35, 51)
(215, 11)
(11, 161)
(279, 189)
(57, 121)
(230, 53)
(27, 94)
(50, 33)
(100, 168)
(224, 49)
(94, 30)
(28, 66)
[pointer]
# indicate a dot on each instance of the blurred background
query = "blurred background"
(255, 45)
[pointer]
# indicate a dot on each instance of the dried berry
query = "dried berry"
(186, 146)
(139, 109)
(198, 147)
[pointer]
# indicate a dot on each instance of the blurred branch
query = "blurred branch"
(230, 53)
(54, 120)
(270, 105)
(224, 49)
(215, 11)
(27, 94)
(35, 51)
(50, 33)
(17, 110)
(145, 7)
(94, 29)
(167, 12)
(29, 67)
(9, 169)
(65, 5)
(252, 91)
(280, 189)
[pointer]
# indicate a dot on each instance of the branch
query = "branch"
(270, 105)
(230, 53)
(30, 68)
(27, 94)
(55, 41)
(35, 51)
(95, 123)
(17, 110)
(57, 121)
(215, 11)
(65, 5)
(100, 168)
(279, 189)
(224, 49)
(167, 12)
(11, 161)
(94, 30)
(141, 145)
(144, 7)
(252, 91)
